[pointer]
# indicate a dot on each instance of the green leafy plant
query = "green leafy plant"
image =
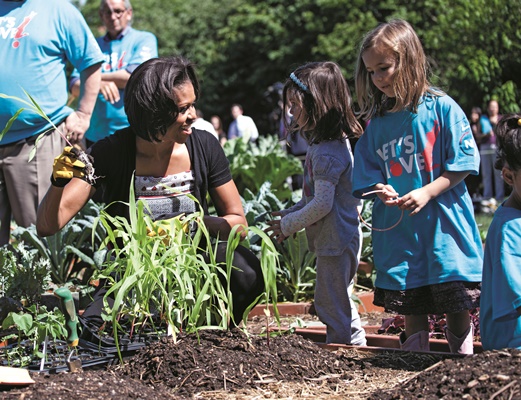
(265, 159)
(35, 325)
(71, 248)
(296, 274)
(367, 244)
(483, 220)
(24, 274)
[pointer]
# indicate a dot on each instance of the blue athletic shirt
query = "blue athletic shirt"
(126, 52)
(36, 40)
(407, 150)
(500, 324)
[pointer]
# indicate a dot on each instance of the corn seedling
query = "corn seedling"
(31, 105)
(162, 271)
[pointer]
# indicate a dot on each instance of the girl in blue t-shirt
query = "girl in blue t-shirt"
(317, 96)
(500, 311)
(413, 158)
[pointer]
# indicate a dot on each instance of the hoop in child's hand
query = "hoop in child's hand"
(372, 227)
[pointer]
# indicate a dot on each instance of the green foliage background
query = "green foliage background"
(241, 47)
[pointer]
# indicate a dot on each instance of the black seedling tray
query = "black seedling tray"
(56, 356)
(92, 339)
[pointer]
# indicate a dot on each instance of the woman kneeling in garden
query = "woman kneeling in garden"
(159, 151)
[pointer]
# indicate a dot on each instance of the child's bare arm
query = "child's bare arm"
(416, 199)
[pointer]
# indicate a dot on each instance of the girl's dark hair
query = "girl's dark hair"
(477, 110)
(150, 103)
(476, 130)
(326, 102)
(508, 138)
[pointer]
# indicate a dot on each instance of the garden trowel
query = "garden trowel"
(71, 322)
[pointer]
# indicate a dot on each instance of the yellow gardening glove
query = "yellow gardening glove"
(163, 227)
(66, 166)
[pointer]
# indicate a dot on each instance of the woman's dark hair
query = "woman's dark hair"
(508, 137)
(150, 103)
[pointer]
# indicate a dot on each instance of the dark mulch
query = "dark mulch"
(489, 375)
(220, 360)
(228, 365)
(92, 385)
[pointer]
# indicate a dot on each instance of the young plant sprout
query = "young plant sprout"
(74, 153)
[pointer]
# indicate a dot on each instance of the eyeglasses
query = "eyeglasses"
(108, 12)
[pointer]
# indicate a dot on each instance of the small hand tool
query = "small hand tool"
(71, 319)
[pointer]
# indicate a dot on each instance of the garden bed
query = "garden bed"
(226, 365)
(230, 365)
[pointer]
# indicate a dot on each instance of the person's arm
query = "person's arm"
(119, 78)
(78, 122)
(111, 83)
(60, 205)
(312, 212)
(295, 207)
(230, 213)
(416, 199)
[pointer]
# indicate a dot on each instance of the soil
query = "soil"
(230, 365)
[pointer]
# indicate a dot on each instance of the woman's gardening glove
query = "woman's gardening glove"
(66, 166)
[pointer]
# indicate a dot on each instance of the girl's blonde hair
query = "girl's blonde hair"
(411, 72)
(322, 91)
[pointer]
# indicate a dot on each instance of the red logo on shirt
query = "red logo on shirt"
(19, 31)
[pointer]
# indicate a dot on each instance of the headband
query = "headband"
(298, 82)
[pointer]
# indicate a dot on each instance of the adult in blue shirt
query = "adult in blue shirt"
(37, 41)
(124, 49)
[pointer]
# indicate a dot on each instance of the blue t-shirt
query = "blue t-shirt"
(37, 38)
(500, 323)
(487, 142)
(407, 150)
(126, 52)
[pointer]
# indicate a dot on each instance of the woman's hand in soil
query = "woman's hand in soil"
(67, 166)
(414, 201)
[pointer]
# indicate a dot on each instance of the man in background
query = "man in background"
(124, 49)
(38, 39)
(242, 125)
(204, 125)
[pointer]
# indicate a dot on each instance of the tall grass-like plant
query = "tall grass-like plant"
(298, 277)
(32, 105)
(29, 104)
(174, 277)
